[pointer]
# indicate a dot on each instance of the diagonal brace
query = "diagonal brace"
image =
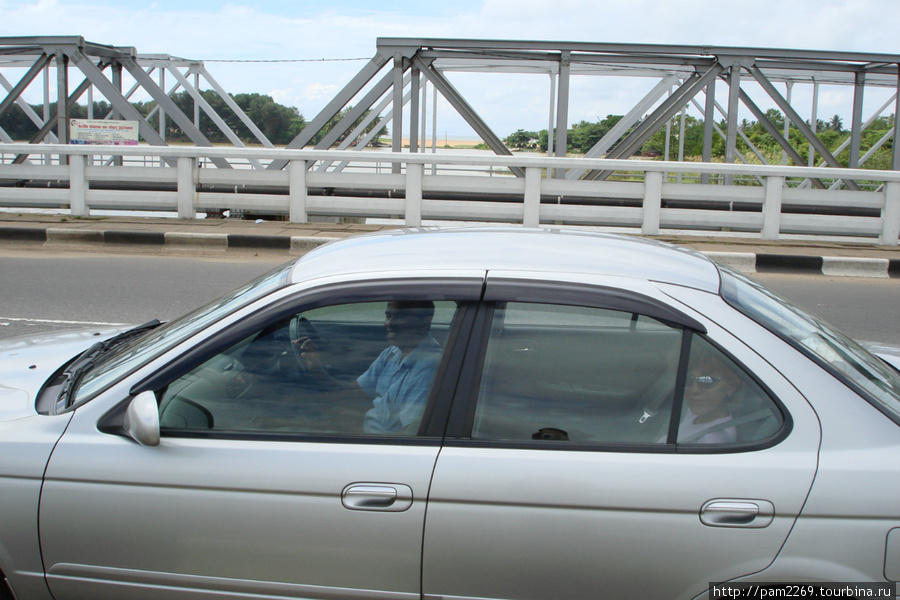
(799, 123)
(466, 112)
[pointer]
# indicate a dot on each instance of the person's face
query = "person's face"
(707, 388)
(405, 326)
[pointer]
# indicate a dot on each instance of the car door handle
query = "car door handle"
(390, 497)
(753, 514)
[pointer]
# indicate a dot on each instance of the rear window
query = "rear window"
(850, 362)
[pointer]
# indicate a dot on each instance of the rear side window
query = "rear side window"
(581, 375)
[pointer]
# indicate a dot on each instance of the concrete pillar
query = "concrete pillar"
(414, 194)
(187, 187)
(77, 186)
(890, 216)
(771, 228)
(298, 192)
(532, 216)
(652, 203)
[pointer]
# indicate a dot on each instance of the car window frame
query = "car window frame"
(465, 291)
(498, 292)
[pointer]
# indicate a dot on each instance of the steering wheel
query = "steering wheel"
(301, 327)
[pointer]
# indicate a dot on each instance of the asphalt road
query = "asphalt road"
(49, 290)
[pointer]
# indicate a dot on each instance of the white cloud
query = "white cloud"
(307, 31)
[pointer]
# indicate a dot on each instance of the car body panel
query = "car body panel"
(254, 516)
(91, 513)
(510, 249)
(554, 523)
(26, 362)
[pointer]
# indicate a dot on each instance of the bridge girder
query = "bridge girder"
(71, 54)
(681, 66)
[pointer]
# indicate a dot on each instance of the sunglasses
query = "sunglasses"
(704, 381)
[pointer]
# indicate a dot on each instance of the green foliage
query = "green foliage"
(522, 140)
(584, 135)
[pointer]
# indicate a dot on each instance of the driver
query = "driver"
(398, 381)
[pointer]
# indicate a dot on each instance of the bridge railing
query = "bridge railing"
(650, 195)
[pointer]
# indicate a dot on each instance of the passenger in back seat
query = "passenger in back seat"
(710, 386)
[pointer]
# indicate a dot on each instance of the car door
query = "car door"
(577, 463)
(265, 482)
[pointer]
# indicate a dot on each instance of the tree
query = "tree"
(522, 140)
(836, 124)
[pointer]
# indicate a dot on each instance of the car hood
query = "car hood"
(26, 362)
(886, 352)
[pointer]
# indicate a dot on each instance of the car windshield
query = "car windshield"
(129, 357)
(869, 375)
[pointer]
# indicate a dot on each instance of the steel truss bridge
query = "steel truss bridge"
(605, 187)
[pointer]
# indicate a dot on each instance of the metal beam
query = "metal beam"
(625, 123)
(562, 109)
(467, 112)
(658, 118)
(337, 103)
(229, 101)
(734, 94)
(709, 118)
(367, 101)
(95, 76)
(414, 109)
(209, 110)
(773, 131)
(62, 95)
(397, 108)
(798, 121)
(171, 109)
(23, 83)
(856, 120)
(895, 159)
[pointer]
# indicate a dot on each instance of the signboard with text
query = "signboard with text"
(95, 131)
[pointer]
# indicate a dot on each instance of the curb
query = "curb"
(835, 266)
(743, 261)
(219, 241)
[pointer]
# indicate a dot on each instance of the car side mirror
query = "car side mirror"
(141, 421)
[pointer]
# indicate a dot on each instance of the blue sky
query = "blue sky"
(306, 31)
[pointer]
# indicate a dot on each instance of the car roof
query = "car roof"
(509, 249)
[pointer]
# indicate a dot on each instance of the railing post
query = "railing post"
(652, 202)
(771, 228)
(298, 192)
(187, 187)
(414, 173)
(77, 186)
(890, 215)
(532, 217)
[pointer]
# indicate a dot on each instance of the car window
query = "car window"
(568, 373)
(873, 378)
(351, 369)
(721, 403)
(586, 375)
(142, 350)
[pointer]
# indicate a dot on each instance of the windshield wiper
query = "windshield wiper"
(90, 357)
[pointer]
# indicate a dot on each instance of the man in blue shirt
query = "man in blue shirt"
(399, 380)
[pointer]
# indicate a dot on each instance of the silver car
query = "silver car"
(472, 413)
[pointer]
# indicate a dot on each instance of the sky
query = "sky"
(307, 51)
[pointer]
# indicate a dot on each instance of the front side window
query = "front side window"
(607, 377)
(352, 369)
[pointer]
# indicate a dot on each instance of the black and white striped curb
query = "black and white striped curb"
(747, 262)
(836, 266)
(173, 239)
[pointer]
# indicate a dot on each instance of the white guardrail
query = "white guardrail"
(650, 195)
